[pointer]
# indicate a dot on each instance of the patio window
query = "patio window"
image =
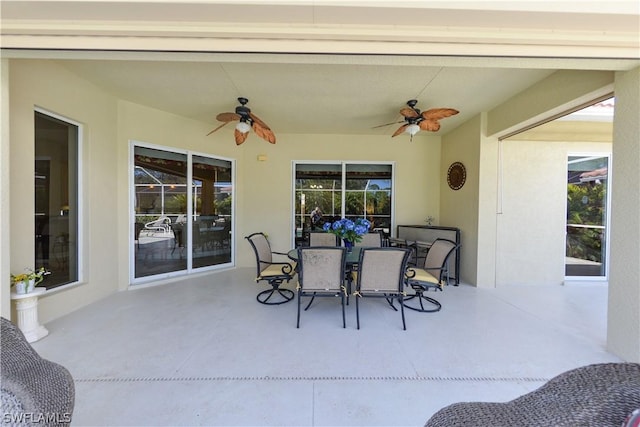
(352, 190)
(56, 199)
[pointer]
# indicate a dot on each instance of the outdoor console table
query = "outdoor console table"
(27, 311)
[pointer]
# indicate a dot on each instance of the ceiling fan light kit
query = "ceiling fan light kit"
(243, 127)
(415, 120)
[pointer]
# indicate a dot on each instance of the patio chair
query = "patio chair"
(160, 224)
(433, 275)
(270, 271)
(372, 239)
(32, 387)
(321, 272)
(381, 273)
(322, 238)
(598, 395)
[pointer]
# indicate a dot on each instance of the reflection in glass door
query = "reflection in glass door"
(183, 212)
(211, 222)
(161, 207)
(587, 202)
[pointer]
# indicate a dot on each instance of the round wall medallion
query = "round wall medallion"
(456, 175)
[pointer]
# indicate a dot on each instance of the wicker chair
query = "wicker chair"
(33, 390)
(274, 273)
(381, 273)
(433, 275)
(321, 273)
(598, 395)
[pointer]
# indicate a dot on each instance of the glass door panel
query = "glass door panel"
(161, 207)
(587, 196)
(212, 217)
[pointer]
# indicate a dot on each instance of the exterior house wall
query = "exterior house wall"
(49, 86)
(263, 189)
(459, 208)
(532, 220)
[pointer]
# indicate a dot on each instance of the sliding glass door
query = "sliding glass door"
(183, 212)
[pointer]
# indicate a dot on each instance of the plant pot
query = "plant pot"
(348, 245)
(20, 287)
(31, 285)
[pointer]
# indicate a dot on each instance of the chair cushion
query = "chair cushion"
(422, 275)
(276, 270)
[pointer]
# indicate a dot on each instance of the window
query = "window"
(183, 212)
(587, 216)
(56, 199)
(352, 190)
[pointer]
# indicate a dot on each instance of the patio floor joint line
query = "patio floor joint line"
(313, 378)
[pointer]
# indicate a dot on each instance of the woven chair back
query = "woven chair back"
(262, 249)
(321, 268)
(371, 240)
(322, 239)
(382, 269)
(437, 257)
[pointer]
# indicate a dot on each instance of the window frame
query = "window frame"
(343, 167)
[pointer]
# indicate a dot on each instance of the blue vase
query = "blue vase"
(348, 245)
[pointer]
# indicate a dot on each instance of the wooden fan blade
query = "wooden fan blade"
(240, 137)
(409, 113)
(438, 113)
(388, 124)
(227, 117)
(257, 120)
(400, 130)
(217, 128)
(430, 125)
(264, 133)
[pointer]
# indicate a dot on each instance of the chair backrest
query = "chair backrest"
(382, 269)
(321, 238)
(262, 249)
(437, 257)
(371, 240)
(321, 268)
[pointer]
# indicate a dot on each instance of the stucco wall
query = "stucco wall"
(531, 225)
(49, 86)
(263, 189)
(459, 208)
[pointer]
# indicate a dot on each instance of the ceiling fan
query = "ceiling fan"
(414, 120)
(246, 121)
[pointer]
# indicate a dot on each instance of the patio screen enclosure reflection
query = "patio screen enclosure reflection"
(351, 190)
(183, 216)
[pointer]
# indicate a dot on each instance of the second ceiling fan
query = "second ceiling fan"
(415, 120)
(246, 121)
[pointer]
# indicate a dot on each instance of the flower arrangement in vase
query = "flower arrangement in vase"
(348, 230)
(27, 281)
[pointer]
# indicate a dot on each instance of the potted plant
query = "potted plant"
(27, 281)
(349, 231)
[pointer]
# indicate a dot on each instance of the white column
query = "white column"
(27, 313)
(623, 317)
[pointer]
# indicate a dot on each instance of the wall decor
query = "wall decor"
(456, 175)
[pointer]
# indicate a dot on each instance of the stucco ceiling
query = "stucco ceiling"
(315, 79)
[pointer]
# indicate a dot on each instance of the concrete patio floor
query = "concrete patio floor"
(203, 351)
